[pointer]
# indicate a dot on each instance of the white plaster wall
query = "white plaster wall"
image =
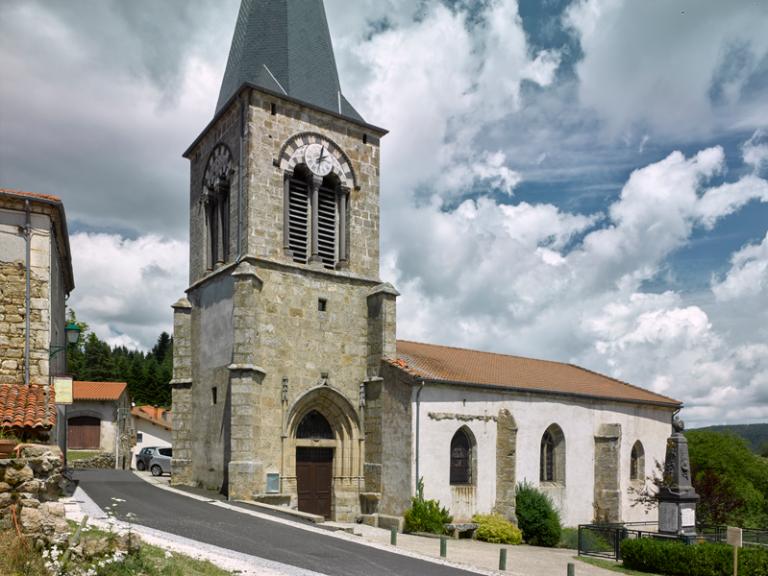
(106, 411)
(152, 435)
(579, 420)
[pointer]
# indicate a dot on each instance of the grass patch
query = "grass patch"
(611, 565)
(18, 557)
(81, 454)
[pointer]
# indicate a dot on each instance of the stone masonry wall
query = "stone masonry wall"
(607, 491)
(388, 461)
(506, 459)
(29, 489)
(12, 325)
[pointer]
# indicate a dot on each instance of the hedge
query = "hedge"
(674, 558)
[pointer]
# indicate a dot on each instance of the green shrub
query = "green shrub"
(496, 529)
(674, 558)
(592, 541)
(537, 517)
(426, 515)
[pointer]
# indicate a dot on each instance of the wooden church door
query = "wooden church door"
(314, 480)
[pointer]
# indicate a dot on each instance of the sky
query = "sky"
(583, 181)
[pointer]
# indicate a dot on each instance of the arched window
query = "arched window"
(215, 198)
(552, 462)
(637, 462)
(314, 426)
(462, 448)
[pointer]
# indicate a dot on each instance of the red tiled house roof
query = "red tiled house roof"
(27, 407)
(155, 415)
(472, 367)
(97, 390)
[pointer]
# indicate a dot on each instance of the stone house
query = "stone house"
(152, 426)
(99, 419)
(35, 279)
(289, 385)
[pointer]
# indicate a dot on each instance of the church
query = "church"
(289, 384)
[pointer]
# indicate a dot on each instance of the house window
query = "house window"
(214, 396)
(637, 462)
(552, 459)
(315, 218)
(462, 453)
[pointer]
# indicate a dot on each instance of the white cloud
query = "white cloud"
(439, 86)
(680, 67)
(533, 279)
(125, 287)
(748, 275)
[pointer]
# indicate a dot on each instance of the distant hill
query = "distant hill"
(756, 435)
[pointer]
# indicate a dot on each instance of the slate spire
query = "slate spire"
(285, 46)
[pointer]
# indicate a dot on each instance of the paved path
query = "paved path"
(305, 548)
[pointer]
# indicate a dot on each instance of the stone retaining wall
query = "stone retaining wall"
(101, 461)
(29, 489)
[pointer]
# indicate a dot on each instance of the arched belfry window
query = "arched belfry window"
(215, 199)
(637, 462)
(552, 451)
(314, 426)
(316, 199)
(462, 457)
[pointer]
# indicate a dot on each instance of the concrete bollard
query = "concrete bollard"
(503, 559)
(571, 569)
(443, 546)
(393, 536)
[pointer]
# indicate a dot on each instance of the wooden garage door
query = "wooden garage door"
(84, 433)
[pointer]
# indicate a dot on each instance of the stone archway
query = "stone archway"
(345, 442)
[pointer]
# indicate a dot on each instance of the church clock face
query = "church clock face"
(319, 159)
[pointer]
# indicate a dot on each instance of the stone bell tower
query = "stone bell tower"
(285, 320)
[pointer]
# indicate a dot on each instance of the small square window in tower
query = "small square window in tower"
(298, 219)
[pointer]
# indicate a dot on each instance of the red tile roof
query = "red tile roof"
(27, 406)
(459, 365)
(153, 414)
(97, 390)
(32, 195)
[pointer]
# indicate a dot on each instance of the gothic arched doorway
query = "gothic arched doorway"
(323, 463)
(314, 465)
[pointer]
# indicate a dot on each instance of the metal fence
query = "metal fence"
(604, 540)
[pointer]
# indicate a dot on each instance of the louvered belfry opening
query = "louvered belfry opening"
(298, 217)
(312, 223)
(327, 224)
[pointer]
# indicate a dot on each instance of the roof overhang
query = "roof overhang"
(416, 379)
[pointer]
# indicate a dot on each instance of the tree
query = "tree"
(148, 375)
(731, 480)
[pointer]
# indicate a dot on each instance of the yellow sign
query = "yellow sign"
(62, 386)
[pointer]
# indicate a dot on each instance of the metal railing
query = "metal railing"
(604, 540)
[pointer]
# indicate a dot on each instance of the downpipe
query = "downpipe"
(27, 231)
(418, 419)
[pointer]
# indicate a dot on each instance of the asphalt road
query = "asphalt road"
(164, 510)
